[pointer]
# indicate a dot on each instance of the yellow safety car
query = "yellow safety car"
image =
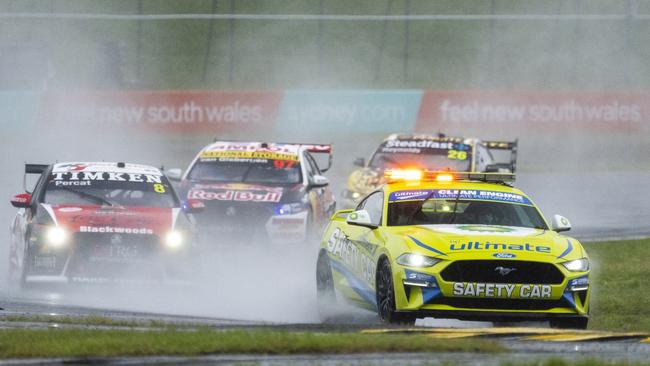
(452, 245)
(430, 152)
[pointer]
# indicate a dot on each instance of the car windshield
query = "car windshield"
(264, 172)
(467, 212)
(98, 189)
(383, 161)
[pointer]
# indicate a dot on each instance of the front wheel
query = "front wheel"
(569, 323)
(325, 296)
(385, 292)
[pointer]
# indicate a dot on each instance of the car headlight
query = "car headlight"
(354, 195)
(290, 208)
(174, 239)
(416, 260)
(56, 236)
(578, 265)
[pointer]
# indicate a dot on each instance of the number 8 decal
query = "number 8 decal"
(159, 188)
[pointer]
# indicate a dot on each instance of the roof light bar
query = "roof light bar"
(406, 175)
(446, 176)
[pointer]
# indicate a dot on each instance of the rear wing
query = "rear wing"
(509, 163)
(315, 149)
(33, 169)
(312, 148)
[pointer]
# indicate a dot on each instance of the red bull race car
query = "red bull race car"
(430, 152)
(258, 192)
(98, 222)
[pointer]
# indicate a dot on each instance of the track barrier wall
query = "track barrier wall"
(333, 112)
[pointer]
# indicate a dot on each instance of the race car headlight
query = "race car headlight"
(56, 236)
(416, 260)
(174, 239)
(578, 265)
(290, 208)
(353, 195)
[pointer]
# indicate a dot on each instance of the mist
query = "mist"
(598, 177)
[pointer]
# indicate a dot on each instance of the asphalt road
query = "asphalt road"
(252, 285)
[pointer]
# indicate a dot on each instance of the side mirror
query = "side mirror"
(360, 218)
(359, 162)
(319, 181)
(21, 200)
(174, 174)
(560, 223)
(193, 206)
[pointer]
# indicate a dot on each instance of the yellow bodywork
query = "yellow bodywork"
(355, 251)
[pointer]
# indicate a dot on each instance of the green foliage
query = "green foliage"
(20, 343)
(620, 285)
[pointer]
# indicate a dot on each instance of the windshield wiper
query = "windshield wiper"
(453, 215)
(88, 195)
(419, 208)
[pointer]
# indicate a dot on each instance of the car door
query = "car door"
(20, 227)
(358, 250)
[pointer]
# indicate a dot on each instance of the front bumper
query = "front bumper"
(425, 292)
(108, 258)
(239, 225)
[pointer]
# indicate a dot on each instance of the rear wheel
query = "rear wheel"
(385, 292)
(325, 296)
(569, 323)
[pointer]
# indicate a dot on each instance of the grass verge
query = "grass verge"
(23, 343)
(90, 320)
(620, 285)
(582, 362)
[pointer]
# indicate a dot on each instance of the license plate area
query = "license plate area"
(118, 253)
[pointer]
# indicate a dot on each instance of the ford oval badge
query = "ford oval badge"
(504, 255)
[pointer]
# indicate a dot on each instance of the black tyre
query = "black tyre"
(385, 292)
(325, 296)
(569, 323)
(22, 275)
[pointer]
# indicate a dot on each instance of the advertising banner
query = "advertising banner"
(441, 110)
(339, 111)
(167, 111)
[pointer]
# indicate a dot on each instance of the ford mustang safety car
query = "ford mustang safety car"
(101, 222)
(259, 192)
(453, 245)
(429, 152)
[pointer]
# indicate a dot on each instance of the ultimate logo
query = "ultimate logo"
(486, 229)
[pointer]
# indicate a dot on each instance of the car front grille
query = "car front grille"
(499, 304)
(502, 271)
(114, 255)
(228, 222)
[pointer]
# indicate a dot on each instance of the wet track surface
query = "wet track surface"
(273, 286)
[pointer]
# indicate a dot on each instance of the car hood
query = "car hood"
(109, 219)
(489, 242)
(243, 192)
